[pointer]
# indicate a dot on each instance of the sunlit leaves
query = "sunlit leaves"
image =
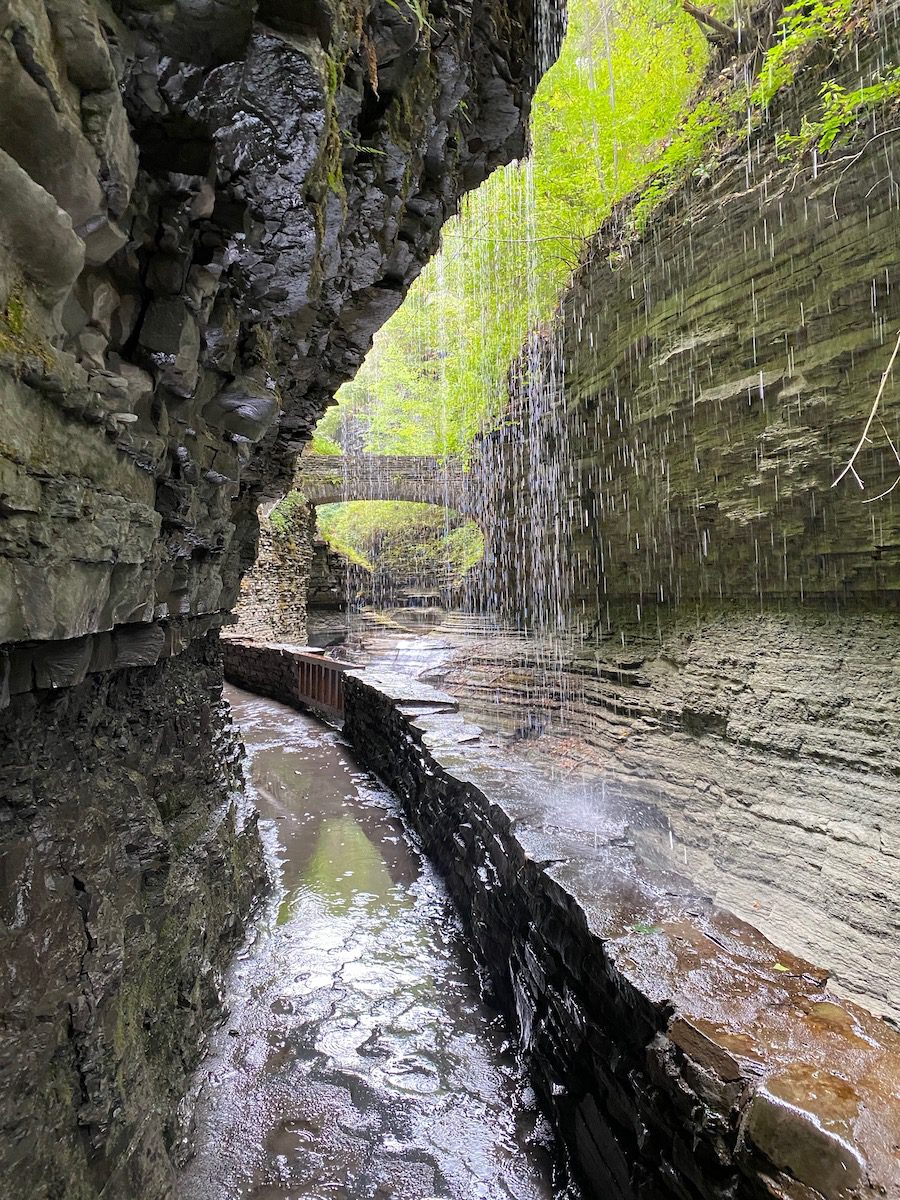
(437, 371)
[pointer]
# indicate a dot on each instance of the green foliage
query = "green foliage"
(407, 540)
(414, 11)
(322, 444)
(338, 541)
(841, 111)
(464, 547)
(804, 26)
(723, 117)
(21, 335)
(15, 314)
(689, 152)
(283, 516)
(437, 371)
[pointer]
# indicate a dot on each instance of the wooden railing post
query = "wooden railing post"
(320, 682)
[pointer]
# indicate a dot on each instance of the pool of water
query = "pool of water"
(357, 1060)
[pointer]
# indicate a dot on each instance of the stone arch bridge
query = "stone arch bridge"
(333, 478)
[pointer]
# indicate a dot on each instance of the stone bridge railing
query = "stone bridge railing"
(332, 478)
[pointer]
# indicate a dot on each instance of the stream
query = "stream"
(356, 1060)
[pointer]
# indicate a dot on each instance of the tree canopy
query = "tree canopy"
(436, 373)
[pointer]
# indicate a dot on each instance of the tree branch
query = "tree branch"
(865, 433)
(707, 18)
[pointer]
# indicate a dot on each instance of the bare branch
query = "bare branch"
(881, 495)
(890, 439)
(874, 412)
(713, 22)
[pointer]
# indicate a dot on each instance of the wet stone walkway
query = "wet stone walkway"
(357, 1061)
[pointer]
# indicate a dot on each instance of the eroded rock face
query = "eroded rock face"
(741, 670)
(129, 866)
(207, 210)
(273, 600)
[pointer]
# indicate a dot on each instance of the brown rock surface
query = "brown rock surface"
(679, 1051)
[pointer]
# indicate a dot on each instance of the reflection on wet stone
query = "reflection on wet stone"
(356, 1060)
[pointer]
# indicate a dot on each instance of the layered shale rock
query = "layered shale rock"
(678, 1052)
(129, 865)
(741, 669)
(757, 752)
(206, 209)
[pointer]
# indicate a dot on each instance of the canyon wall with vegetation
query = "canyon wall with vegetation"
(715, 362)
(205, 212)
(272, 602)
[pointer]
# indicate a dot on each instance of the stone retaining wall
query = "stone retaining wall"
(267, 670)
(292, 674)
(679, 1052)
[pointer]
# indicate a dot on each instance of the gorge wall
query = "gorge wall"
(295, 574)
(129, 865)
(273, 598)
(715, 375)
(205, 212)
(678, 1052)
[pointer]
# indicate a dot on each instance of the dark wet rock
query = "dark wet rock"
(230, 201)
(129, 867)
(246, 406)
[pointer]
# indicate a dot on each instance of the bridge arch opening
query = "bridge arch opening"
(403, 553)
(419, 479)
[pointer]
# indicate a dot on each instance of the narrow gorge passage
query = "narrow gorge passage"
(356, 1059)
(515, 384)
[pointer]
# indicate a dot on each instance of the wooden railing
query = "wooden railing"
(320, 682)
(294, 675)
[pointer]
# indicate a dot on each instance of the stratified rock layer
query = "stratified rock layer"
(761, 751)
(740, 670)
(129, 867)
(680, 1053)
(229, 200)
